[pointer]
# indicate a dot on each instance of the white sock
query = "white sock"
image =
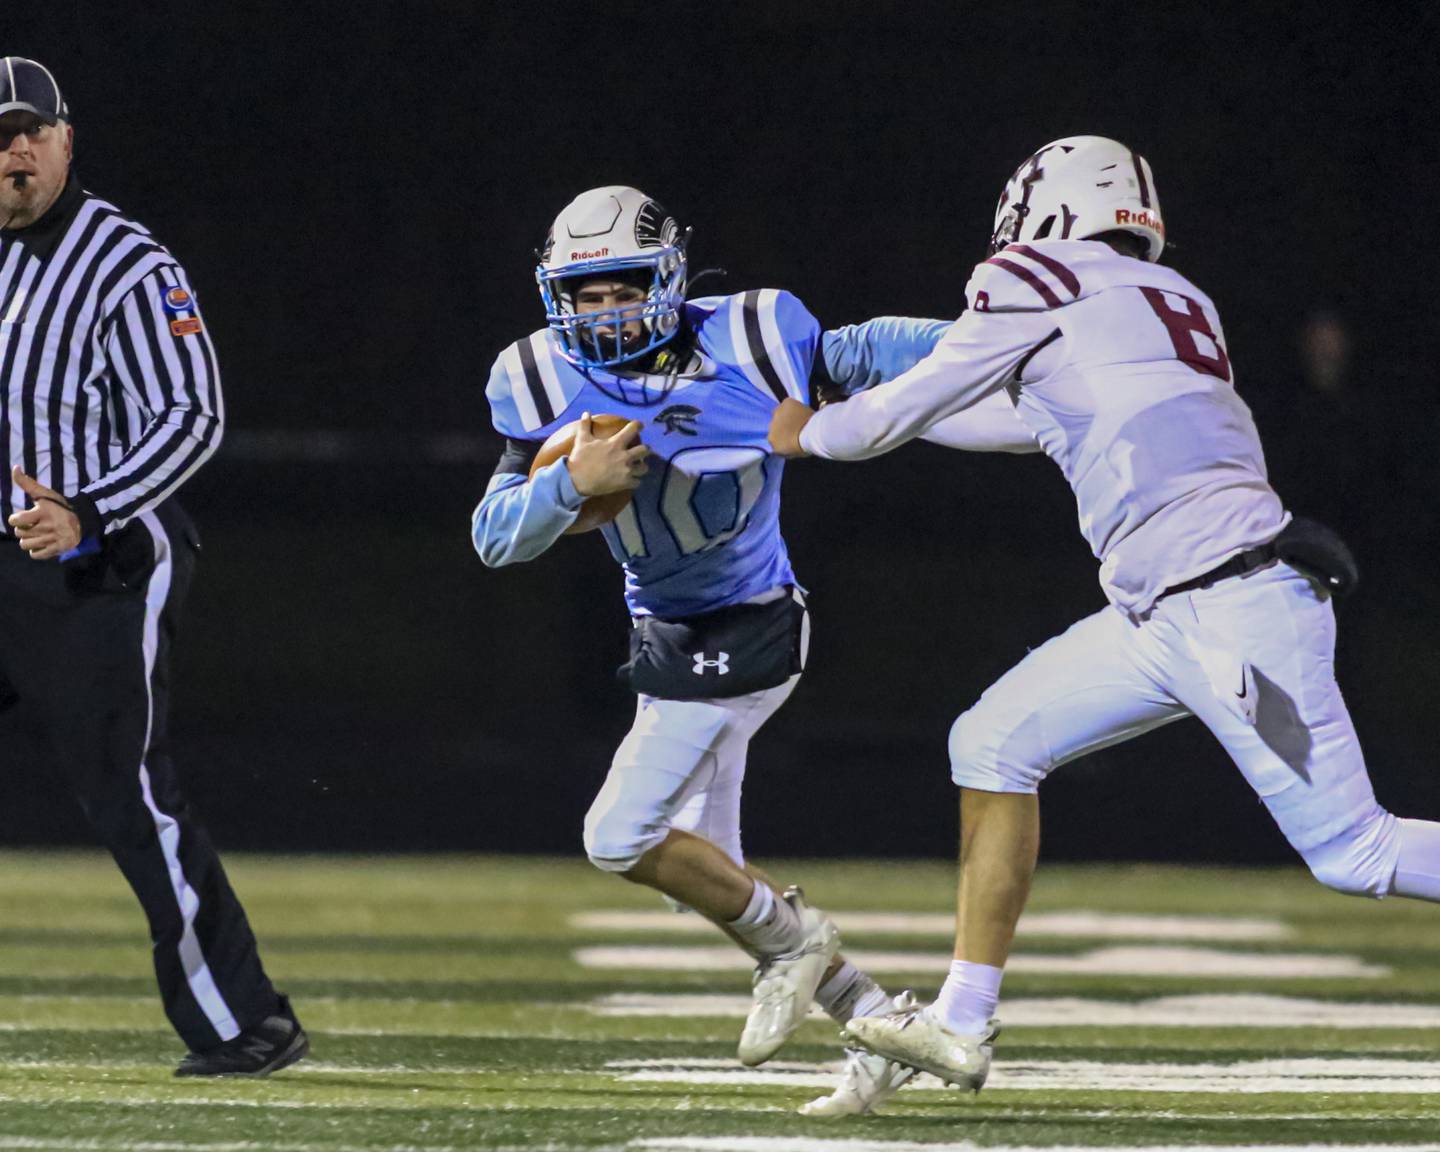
(768, 924)
(968, 999)
(850, 993)
(1417, 871)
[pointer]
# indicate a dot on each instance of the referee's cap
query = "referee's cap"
(27, 86)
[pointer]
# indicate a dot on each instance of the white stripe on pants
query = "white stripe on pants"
(192, 959)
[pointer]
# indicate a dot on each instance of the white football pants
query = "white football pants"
(680, 766)
(1252, 657)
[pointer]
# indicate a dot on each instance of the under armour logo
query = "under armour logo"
(722, 665)
(679, 418)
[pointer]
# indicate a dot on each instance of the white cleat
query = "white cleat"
(867, 1080)
(784, 985)
(916, 1039)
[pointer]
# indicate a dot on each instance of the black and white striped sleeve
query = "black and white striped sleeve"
(160, 356)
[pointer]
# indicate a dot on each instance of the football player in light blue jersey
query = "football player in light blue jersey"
(720, 629)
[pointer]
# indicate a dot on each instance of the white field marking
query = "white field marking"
(1241, 1010)
(204, 1102)
(311, 1067)
(1082, 924)
(1134, 960)
(685, 1005)
(1302, 1075)
(70, 998)
(417, 1031)
(70, 1145)
(43, 1144)
(818, 1144)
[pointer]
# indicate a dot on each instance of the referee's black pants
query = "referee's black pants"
(85, 671)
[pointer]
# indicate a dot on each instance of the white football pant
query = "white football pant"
(680, 766)
(1252, 657)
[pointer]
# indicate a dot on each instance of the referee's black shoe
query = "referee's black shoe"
(276, 1042)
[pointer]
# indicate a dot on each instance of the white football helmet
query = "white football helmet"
(616, 233)
(1079, 187)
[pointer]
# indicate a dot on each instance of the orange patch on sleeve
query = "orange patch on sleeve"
(186, 327)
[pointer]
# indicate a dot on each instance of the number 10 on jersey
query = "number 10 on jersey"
(705, 498)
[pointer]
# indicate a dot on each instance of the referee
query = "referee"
(109, 401)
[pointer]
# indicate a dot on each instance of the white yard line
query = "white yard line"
(167, 1098)
(1303, 1075)
(109, 1144)
(1069, 924)
(1133, 960)
(1240, 1010)
(820, 1144)
(303, 1072)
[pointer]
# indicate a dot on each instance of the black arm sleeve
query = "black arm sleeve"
(517, 457)
(823, 387)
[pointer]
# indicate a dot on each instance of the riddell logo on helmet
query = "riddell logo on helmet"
(595, 255)
(1142, 218)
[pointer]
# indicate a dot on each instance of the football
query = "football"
(597, 510)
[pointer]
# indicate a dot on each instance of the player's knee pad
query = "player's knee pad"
(614, 843)
(987, 758)
(652, 771)
(1361, 860)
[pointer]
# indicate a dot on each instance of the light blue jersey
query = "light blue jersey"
(703, 529)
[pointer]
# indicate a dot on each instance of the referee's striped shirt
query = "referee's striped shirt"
(109, 390)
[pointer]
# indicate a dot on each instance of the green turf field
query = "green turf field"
(459, 1003)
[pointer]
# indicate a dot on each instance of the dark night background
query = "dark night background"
(356, 192)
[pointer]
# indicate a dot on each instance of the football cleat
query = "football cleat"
(913, 1037)
(784, 985)
(276, 1042)
(867, 1080)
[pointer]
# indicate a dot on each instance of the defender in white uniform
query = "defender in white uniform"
(1220, 606)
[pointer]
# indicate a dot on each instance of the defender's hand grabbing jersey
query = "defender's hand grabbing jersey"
(703, 531)
(1119, 369)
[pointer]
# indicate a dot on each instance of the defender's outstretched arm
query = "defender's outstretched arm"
(974, 358)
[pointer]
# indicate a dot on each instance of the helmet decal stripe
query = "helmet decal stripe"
(755, 342)
(535, 384)
(1144, 184)
(1053, 266)
(1051, 300)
